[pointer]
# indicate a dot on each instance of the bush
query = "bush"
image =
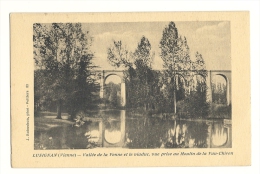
(220, 111)
(183, 109)
(194, 105)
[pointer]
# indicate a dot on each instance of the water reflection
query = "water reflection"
(157, 133)
(220, 135)
(114, 130)
(119, 130)
(92, 133)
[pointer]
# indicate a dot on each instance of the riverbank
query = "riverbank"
(44, 123)
(214, 111)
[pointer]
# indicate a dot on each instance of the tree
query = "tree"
(113, 97)
(180, 71)
(199, 68)
(168, 45)
(143, 53)
(85, 92)
(183, 55)
(112, 94)
(175, 56)
(118, 55)
(42, 101)
(199, 63)
(143, 73)
(195, 102)
(139, 76)
(62, 53)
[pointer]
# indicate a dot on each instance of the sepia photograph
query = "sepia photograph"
(138, 85)
(140, 89)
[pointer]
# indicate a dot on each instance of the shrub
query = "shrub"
(220, 111)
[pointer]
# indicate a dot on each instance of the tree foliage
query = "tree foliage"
(199, 63)
(178, 82)
(168, 45)
(219, 93)
(142, 88)
(176, 59)
(62, 53)
(118, 55)
(111, 94)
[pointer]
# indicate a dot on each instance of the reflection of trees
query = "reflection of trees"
(198, 133)
(183, 135)
(112, 126)
(112, 131)
(70, 137)
(145, 133)
(155, 133)
(64, 137)
(219, 134)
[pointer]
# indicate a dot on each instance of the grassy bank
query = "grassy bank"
(215, 111)
(47, 120)
(220, 111)
(44, 123)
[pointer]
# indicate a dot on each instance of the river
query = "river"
(119, 129)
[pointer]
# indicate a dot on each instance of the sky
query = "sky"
(209, 38)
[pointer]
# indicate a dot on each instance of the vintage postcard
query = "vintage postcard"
(130, 89)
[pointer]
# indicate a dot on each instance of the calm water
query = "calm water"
(119, 129)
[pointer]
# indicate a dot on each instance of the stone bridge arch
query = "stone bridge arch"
(207, 76)
(227, 76)
(103, 75)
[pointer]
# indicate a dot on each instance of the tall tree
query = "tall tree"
(173, 58)
(62, 52)
(143, 73)
(143, 52)
(183, 52)
(168, 45)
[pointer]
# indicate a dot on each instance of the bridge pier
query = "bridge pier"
(102, 87)
(123, 94)
(229, 90)
(209, 90)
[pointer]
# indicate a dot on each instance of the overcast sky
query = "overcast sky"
(211, 39)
